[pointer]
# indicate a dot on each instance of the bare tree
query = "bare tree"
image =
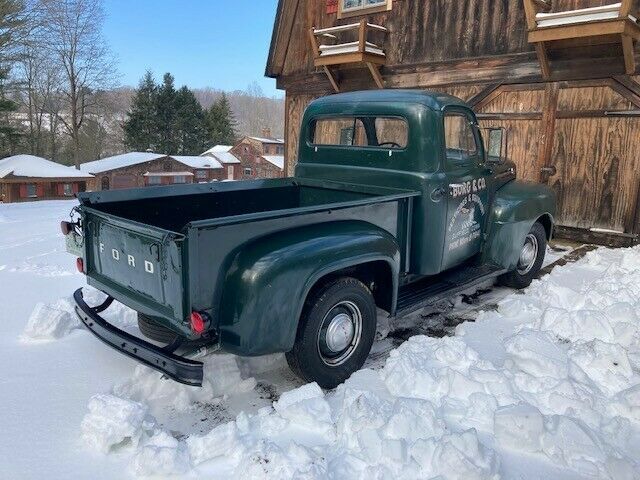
(74, 38)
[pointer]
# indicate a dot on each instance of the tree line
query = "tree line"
(163, 119)
(60, 99)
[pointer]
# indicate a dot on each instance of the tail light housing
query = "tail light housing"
(80, 264)
(66, 227)
(199, 322)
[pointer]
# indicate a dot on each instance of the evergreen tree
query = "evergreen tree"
(12, 27)
(141, 126)
(220, 122)
(190, 123)
(166, 116)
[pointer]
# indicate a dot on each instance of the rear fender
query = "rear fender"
(269, 279)
(516, 207)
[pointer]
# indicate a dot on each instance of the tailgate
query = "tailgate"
(139, 265)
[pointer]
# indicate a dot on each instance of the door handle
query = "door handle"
(438, 193)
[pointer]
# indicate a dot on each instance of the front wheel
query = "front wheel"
(335, 334)
(530, 259)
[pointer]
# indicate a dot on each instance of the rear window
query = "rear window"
(382, 132)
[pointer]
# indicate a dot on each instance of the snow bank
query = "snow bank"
(563, 388)
(56, 320)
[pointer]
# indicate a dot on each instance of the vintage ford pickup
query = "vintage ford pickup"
(396, 202)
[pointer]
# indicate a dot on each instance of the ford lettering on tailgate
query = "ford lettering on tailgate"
(147, 263)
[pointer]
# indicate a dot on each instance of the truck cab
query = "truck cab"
(397, 201)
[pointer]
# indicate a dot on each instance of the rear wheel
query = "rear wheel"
(150, 328)
(530, 259)
(335, 334)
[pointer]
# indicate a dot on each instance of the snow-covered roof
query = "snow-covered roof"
(120, 161)
(193, 161)
(218, 148)
(37, 167)
(277, 160)
(267, 140)
(225, 157)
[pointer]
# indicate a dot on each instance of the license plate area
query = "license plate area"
(74, 244)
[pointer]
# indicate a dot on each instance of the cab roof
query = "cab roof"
(433, 100)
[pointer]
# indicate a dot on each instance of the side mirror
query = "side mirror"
(495, 139)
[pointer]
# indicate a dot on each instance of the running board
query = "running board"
(429, 290)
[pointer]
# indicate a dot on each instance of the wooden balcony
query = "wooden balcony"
(330, 49)
(583, 32)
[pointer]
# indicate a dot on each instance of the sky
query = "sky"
(204, 43)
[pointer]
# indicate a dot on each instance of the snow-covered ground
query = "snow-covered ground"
(539, 384)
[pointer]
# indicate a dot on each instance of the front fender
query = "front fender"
(516, 207)
(268, 281)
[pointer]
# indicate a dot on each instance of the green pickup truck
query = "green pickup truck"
(396, 203)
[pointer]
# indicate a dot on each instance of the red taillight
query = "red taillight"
(198, 323)
(80, 264)
(66, 227)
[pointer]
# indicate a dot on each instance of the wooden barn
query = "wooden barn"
(560, 76)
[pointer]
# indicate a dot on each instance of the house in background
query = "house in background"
(230, 163)
(260, 157)
(141, 169)
(560, 76)
(27, 178)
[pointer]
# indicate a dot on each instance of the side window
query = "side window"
(460, 140)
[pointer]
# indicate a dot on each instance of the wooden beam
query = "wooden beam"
(625, 92)
(484, 93)
(332, 79)
(545, 146)
(629, 83)
(587, 29)
(543, 58)
(375, 73)
(490, 97)
(629, 55)
(509, 116)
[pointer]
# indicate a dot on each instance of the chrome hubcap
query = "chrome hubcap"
(340, 333)
(528, 254)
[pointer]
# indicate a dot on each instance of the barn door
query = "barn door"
(596, 156)
(582, 138)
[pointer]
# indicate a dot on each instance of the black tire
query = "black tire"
(312, 358)
(522, 277)
(155, 331)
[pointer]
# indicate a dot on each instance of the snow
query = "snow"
(37, 167)
(224, 157)
(217, 149)
(277, 160)
(198, 161)
(267, 140)
(542, 384)
(119, 161)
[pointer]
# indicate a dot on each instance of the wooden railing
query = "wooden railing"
(362, 51)
(587, 27)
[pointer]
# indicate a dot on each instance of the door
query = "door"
(468, 184)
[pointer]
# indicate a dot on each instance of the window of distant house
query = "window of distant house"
(351, 8)
(105, 183)
(67, 190)
(202, 175)
(154, 181)
(279, 149)
(179, 179)
(31, 190)
(248, 171)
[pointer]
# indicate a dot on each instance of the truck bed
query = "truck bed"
(172, 208)
(164, 251)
